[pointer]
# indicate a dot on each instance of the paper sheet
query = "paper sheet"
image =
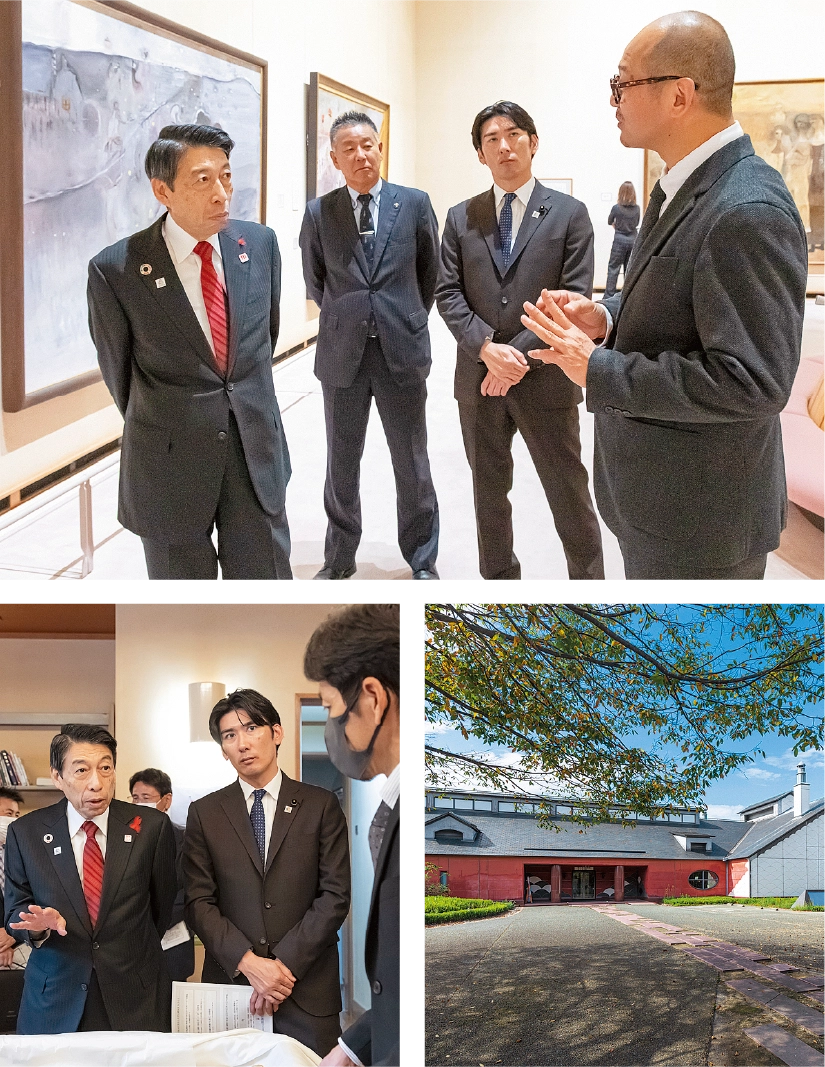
(175, 935)
(202, 1008)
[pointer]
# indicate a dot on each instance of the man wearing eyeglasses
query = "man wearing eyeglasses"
(689, 367)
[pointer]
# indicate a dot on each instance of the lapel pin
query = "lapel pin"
(160, 283)
(287, 808)
(57, 850)
(243, 257)
(127, 837)
(145, 268)
(396, 205)
(48, 839)
(241, 241)
(535, 214)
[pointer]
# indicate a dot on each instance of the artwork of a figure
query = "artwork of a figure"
(797, 171)
(816, 237)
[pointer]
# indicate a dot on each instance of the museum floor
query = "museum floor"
(49, 548)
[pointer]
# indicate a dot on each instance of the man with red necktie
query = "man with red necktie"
(90, 886)
(185, 316)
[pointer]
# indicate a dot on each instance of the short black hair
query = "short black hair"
(350, 118)
(73, 733)
(260, 710)
(357, 642)
(159, 780)
(508, 110)
(165, 153)
(11, 794)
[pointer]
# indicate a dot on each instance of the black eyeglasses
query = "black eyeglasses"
(616, 87)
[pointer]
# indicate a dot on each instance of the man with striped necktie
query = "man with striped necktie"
(90, 887)
(185, 316)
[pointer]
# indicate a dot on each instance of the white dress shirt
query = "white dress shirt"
(375, 192)
(392, 787)
(518, 205)
(181, 247)
(675, 177)
(269, 801)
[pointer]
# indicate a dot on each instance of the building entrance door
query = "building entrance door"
(584, 885)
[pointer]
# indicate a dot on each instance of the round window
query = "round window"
(703, 879)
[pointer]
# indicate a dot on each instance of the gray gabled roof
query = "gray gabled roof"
(452, 815)
(770, 800)
(764, 832)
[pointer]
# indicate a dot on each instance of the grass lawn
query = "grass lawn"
(756, 902)
(457, 909)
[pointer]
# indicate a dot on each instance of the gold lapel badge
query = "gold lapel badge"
(146, 268)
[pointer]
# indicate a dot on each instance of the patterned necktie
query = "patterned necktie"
(377, 828)
(92, 871)
(256, 816)
(366, 228)
(215, 299)
(505, 227)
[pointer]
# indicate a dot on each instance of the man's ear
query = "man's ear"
(534, 144)
(374, 699)
(481, 158)
(334, 160)
(161, 191)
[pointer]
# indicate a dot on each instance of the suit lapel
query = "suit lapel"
(234, 806)
(345, 224)
(60, 852)
(384, 852)
(490, 230)
(538, 208)
(118, 853)
(288, 798)
(236, 276)
(388, 211)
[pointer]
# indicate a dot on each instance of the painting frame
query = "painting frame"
(560, 185)
(16, 395)
(318, 85)
(653, 163)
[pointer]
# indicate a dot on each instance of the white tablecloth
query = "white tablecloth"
(140, 1048)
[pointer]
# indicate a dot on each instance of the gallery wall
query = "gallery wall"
(368, 44)
(556, 59)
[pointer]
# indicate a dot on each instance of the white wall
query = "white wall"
(555, 59)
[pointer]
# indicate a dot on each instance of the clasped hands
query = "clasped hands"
(271, 982)
(570, 324)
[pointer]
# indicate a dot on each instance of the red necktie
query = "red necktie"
(92, 871)
(215, 300)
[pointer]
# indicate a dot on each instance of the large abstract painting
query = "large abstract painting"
(327, 100)
(96, 84)
(785, 123)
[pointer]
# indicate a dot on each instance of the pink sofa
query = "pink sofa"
(804, 442)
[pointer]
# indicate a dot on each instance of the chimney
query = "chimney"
(801, 792)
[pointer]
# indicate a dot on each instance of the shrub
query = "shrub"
(756, 902)
(457, 909)
(432, 883)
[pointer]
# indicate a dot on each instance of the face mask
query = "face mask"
(146, 803)
(351, 762)
(4, 825)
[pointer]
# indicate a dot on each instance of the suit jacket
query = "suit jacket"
(374, 1037)
(688, 388)
(292, 907)
(180, 959)
(161, 372)
(398, 292)
(476, 297)
(124, 945)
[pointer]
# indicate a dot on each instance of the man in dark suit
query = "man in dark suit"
(90, 885)
(266, 868)
(354, 656)
(370, 252)
(184, 316)
(499, 249)
(700, 349)
(152, 788)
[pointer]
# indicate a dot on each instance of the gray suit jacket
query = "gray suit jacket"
(398, 292)
(688, 388)
(476, 297)
(161, 372)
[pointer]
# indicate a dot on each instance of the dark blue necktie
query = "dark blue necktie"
(366, 228)
(505, 227)
(256, 816)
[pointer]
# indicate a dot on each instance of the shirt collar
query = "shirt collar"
(674, 178)
(273, 787)
(523, 194)
(392, 787)
(76, 820)
(182, 244)
(375, 192)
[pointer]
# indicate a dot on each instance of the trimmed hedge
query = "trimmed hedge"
(756, 902)
(458, 909)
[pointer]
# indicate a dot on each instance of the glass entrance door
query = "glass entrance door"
(584, 885)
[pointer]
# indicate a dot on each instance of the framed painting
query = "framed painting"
(87, 87)
(327, 100)
(784, 120)
(561, 185)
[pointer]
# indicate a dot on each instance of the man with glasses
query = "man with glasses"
(689, 367)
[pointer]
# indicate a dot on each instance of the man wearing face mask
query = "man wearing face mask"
(12, 953)
(354, 656)
(152, 788)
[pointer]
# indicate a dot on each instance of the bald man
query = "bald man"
(688, 368)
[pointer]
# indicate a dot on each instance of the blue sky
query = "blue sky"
(765, 777)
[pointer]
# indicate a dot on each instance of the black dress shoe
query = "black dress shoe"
(330, 574)
(426, 575)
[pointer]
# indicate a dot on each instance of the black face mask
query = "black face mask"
(351, 762)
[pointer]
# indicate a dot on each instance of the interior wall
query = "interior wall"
(555, 59)
(368, 44)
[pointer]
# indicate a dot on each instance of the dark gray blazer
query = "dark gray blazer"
(399, 291)
(291, 908)
(160, 370)
(124, 946)
(476, 297)
(688, 388)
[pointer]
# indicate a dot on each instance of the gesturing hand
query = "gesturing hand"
(591, 318)
(37, 920)
(570, 347)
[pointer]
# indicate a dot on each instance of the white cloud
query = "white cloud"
(749, 771)
(723, 811)
(442, 728)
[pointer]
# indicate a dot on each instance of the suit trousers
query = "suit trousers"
(488, 426)
(401, 408)
(636, 565)
(251, 543)
(95, 1016)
